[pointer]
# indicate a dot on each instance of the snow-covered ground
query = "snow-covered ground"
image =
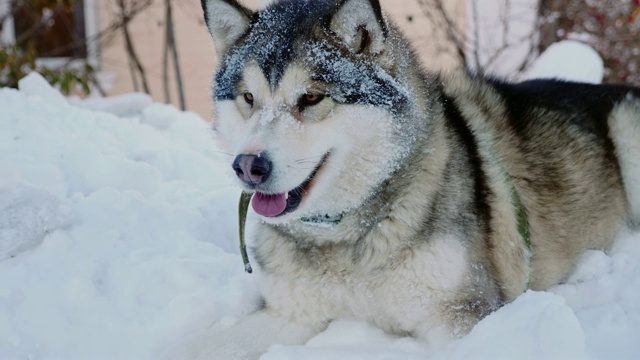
(118, 236)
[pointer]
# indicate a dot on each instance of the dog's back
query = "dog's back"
(572, 151)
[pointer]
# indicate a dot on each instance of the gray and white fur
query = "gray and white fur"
(396, 196)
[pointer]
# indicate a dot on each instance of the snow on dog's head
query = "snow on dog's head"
(306, 103)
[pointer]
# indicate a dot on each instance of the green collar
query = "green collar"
(243, 208)
(329, 221)
(322, 221)
(523, 221)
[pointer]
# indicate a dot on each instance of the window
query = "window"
(58, 30)
(53, 29)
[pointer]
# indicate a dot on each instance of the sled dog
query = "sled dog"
(417, 202)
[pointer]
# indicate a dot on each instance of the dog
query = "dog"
(415, 201)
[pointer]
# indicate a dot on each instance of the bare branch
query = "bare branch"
(174, 51)
(135, 63)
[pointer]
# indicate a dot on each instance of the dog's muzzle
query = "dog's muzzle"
(254, 170)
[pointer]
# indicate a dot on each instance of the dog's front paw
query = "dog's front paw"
(247, 339)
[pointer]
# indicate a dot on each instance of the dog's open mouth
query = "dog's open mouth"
(272, 205)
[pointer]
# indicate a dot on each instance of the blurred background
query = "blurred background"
(91, 48)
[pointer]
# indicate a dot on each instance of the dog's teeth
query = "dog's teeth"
(286, 196)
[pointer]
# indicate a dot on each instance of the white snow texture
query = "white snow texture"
(568, 60)
(118, 235)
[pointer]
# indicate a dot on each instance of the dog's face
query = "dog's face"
(304, 103)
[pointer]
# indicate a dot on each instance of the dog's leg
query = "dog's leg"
(624, 125)
(249, 338)
(550, 268)
(454, 318)
(450, 324)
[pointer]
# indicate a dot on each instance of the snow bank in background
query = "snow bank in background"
(122, 105)
(568, 60)
(118, 235)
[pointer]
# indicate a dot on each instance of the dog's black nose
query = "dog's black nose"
(252, 169)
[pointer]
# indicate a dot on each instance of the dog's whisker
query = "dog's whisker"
(223, 153)
(309, 159)
(313, 167)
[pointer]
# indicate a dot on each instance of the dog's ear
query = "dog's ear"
(226, 20)
(361, 25)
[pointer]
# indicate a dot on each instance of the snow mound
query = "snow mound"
(552, 331)
(36, 85)
(28, 215)
(127, 105)
(350, 339)
(116, 233)
(567, 60)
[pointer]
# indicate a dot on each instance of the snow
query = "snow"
(501, 39)
(118, 236)
(552, 327)
(568, 60)
(120, 105)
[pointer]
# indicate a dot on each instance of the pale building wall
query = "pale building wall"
(195, 52)
(197, 57)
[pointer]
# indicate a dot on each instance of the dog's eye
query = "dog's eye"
(307, 100)
(248, 98)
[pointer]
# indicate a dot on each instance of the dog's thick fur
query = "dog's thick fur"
(414, 184)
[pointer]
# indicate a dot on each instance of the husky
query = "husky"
(415, 201)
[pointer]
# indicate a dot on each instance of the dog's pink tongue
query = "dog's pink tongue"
(269, 205)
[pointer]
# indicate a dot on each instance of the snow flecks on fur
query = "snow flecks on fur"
(286, 36)
(353, 80)
(229, 74)
(267, 115)
(270, 43)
